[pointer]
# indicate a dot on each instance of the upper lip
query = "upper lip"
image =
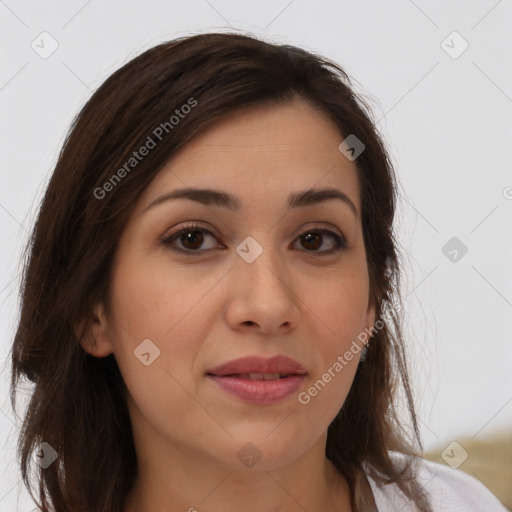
(257, 364)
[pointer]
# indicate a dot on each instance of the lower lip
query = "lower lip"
(259, 391)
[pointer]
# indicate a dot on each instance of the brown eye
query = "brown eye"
(313, 240)
(190, 237)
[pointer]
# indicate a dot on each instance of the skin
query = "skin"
(204, 310)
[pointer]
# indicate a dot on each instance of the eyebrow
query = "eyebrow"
(227, 200)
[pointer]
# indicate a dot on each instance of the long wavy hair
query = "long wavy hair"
(68, 263)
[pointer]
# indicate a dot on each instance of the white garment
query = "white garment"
(449, 490)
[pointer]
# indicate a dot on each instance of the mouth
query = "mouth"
(258, 388)
(256, 376)
(259, 368)
(259, 380)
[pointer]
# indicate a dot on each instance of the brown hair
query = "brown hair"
(69, 257)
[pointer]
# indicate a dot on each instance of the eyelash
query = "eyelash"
(341, 243)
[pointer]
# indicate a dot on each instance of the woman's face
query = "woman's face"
(264, 279)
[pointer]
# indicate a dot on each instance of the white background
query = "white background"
(446, 120)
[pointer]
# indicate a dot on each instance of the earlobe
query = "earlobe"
(93, 334)
(370, 327)
(370, 316)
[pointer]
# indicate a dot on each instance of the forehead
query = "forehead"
(263, 153)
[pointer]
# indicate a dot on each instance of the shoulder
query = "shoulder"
(449, 490)
(453, 490)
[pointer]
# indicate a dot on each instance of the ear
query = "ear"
(370, 316)
(93, 334)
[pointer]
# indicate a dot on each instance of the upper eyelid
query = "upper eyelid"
(188, 225)
(191, 225)
(319, 225)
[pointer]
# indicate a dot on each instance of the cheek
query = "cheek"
(339, 308)
(151, 297)
(339, 317)
(171, 307)
(151, 303)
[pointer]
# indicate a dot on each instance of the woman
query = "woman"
(209, 306)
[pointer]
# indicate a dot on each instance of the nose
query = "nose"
(261, 295)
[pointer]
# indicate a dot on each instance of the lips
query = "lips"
(259, 380)
(259, 376)
(259, 368)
